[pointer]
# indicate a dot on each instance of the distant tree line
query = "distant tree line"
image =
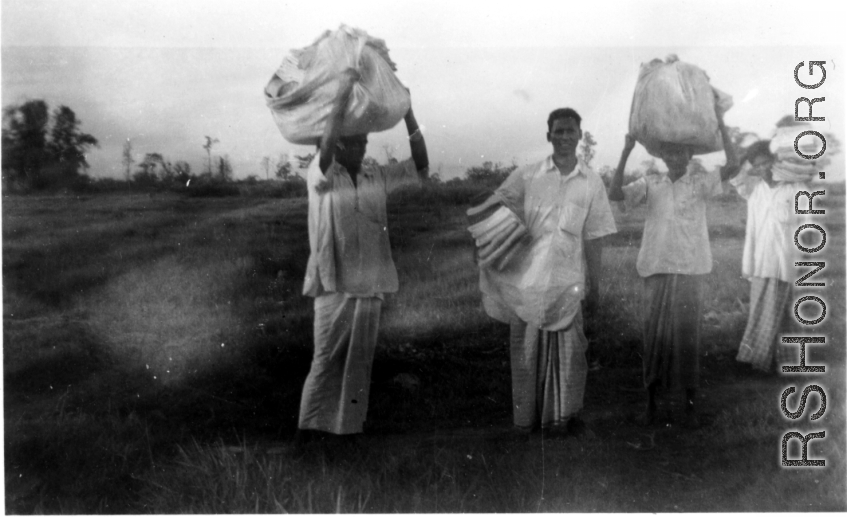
(43, 149)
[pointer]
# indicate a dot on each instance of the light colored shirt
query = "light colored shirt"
(676, 236)
(348, 228)
(769, 249)
(544, 284)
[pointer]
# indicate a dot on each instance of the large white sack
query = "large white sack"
(675, 103)
(303, 90)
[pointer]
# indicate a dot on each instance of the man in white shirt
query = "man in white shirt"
(563, 205)
(349, 269)
(673, 259)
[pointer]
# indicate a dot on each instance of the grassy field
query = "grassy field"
(155, 347)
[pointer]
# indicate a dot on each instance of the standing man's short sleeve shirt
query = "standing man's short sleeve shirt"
(560, 212)
(348, 229)
(676, 234)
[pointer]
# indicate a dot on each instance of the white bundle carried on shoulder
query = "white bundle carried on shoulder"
(304, 89)
(674, 103)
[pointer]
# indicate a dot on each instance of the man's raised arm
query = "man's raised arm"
(732, 167)
(336, 117)
(418, 145)
(615, 189)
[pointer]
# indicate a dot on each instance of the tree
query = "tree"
(369, 162)
(68, 144)
(25, 139)
(305, 159)
(182, 171)
(435, 177)
(126, 158)
(490, 173)
(389, 154)
(150, 163)
(283, 167)
(587, 148)
(266, 165)
(167, 169)
(208, 147)
(145, 178)
(42, 150)
(224, 168)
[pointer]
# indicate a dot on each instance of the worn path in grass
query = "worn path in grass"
(94, 423)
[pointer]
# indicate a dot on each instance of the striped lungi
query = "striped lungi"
(548, 373)
(672, 308)
(335, 395)
(770, 309)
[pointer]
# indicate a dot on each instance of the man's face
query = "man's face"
(760, 166)
(676, 157)
(564, 135)
(350, 151)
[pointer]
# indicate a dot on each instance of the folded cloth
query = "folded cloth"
(496, 231)
(515, 248)
(484, 205)
(789, 166)
(497, 239)
(496, 222)
(490, 259)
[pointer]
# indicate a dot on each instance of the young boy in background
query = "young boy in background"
(771, 177)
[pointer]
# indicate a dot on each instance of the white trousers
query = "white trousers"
(335, 395)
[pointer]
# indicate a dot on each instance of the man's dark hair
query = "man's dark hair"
(760, 148)
(563, 113)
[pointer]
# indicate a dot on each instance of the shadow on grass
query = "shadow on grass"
(56, 360)
(72, 437)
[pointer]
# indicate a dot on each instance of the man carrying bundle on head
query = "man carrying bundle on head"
(349, 90)
(536, 248)
(675, 254)
(771, 177)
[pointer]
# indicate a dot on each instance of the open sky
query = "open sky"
(483, 75)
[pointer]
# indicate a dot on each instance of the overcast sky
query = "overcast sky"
(483, 76)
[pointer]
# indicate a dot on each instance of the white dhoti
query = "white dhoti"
(335, 395)
(548, 373)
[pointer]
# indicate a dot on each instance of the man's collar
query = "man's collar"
(665, 176)
(339, 169)
(549, 166)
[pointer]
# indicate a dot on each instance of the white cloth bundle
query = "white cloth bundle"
(674, 102)
(304, 89)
